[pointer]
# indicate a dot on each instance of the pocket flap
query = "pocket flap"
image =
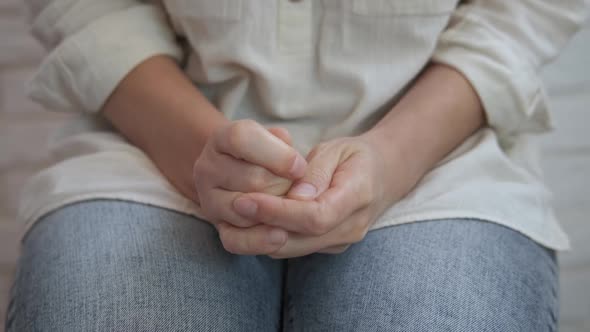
(403, 7)
(215, 9)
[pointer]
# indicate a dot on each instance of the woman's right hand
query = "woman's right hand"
(231, 157)
(243, 157)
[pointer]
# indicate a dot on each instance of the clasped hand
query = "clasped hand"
(266, 199)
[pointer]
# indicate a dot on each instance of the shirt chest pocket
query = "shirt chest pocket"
(204, 19)
(376, 29)
(219, 10)
(402, 7)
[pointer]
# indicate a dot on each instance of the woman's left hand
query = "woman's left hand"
(348, 184)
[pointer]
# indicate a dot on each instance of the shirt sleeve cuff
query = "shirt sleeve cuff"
(510, 90)
(81, 73)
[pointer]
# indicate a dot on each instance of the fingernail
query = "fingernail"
(277, 236)
(304, 190)
(298, 167)
(245, 207)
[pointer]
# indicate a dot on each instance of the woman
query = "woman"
(224, 149)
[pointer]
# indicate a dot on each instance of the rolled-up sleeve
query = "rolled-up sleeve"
(92, 46)
(500, 47)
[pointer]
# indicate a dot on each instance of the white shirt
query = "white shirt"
(320, 68)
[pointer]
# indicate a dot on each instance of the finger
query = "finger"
(298, 245)
(352, 230)
(318, 174)
(240, 176)
(256, 240)
(348, 193)
(315, 217)
(218, 206)
(248, 140)
(334, 250)
(282, 134)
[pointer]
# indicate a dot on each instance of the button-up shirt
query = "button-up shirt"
(320, 68)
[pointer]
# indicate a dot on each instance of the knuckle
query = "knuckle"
(319, 223)
(238, 245)
(320, 175)
(234, 139)
(257, 179)
(205, 164)
(254, 246)
(246, 246)
(239, 132)
(245, 127)
(231, 248)
(365, 197)
(312, 153)
(270, 215)
(364, 194)
(315, 151)
(227, 242)
(359, 231)
(211, 211)
(320, 147)
(199, 180)
(197, 168)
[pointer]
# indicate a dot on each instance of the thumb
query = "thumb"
(318, 175)
(282, 134)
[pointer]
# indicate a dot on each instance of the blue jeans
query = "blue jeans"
(120, 266)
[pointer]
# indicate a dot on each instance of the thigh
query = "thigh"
(448, 275)
(120, 266)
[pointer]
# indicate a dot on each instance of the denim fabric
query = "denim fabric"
(448, 275)
(120, 266)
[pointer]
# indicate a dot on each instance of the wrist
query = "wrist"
(439, 112)
(158, 109)
(398, 151)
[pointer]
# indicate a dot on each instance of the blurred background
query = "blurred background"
(25, 130)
